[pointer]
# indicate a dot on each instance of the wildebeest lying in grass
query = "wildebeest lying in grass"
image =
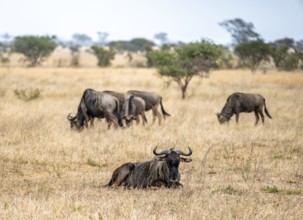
(152, 101)
(96, 104)
(162, 170)
(242, 102)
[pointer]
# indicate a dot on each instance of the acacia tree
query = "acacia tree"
(184, 62)
(241, 31)
(34, 48)
(252, 53)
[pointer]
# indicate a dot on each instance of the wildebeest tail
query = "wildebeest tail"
(266, 111)
(118, 113)
(162, 109)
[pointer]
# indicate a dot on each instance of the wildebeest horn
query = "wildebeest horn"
(69, 117)
(184, 154)
(166, 152)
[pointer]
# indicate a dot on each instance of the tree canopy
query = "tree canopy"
(252, 53)
(134, 45)
(241, 31)
(286, 54)
(104, 56)
(34, 48)
(184, 62)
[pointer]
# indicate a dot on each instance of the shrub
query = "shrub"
(27, 94)
(271, 189)
(104, 56)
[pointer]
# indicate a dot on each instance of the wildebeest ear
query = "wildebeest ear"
(186, 160)
(218, 114)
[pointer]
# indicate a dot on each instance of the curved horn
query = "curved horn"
(184, 154)
(70, 118)
(166, 152)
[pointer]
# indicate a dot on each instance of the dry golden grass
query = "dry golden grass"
(238, 171)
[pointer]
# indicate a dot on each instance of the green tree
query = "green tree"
(285, 55)
(134, 45)
(252, 53)
(241, 31)
(104, 56)
(34, 48)
(184, 62)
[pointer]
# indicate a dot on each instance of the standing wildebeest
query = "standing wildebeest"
(96, 104)
(136, 107)
(162, 170)
(152, 101)
(242, 102)
(133, 108)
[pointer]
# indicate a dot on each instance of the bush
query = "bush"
(27, 95)
(104, 56)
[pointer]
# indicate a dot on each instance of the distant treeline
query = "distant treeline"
(247, 49)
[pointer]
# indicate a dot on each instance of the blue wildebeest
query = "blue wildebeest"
(243, 102)
(133, 108)
(95, 104)
(152, 101)
(162, 170)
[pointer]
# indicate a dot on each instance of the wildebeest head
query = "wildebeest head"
(172, 159)
(128, 111)
(222, 119)
(75, 122)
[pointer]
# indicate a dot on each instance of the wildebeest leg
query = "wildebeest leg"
(159, 117)
(154, 114)
(257, 116)
(144, 121)
(262, 115)
(120, 175)
(237, 116)
(92, 122)
(176, 185)
(110, 118)
(137, 119)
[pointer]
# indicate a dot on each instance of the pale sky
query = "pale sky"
(182, 20)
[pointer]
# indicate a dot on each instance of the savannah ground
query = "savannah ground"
(49, 171)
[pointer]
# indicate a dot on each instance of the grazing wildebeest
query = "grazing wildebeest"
(242, 102)
(96, 104)
(120, 96)
(133, 108)
(152, 101)
(162, 170)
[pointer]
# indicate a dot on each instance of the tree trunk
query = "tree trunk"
(183, 89)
